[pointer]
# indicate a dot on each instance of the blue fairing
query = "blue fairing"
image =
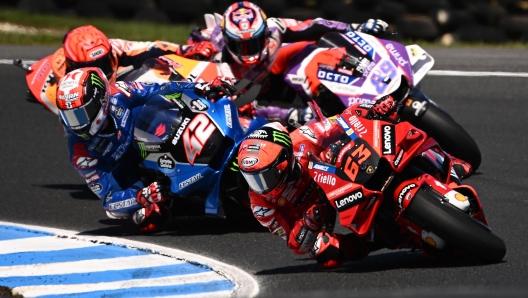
(191, 141)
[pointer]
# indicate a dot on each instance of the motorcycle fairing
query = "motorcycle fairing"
(391, 63)
(42, 83)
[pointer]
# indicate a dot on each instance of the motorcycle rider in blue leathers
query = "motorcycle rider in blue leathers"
(99, 121)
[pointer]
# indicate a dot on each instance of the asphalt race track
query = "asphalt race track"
(39, 187)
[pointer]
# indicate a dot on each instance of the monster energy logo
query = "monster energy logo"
(96, 80)
(234, 166)
(173, 96)
(281, 137)
(142, 150)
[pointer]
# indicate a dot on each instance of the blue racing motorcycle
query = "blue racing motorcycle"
(193, 143)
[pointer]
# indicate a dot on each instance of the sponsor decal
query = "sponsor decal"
(69, 97)
(317, 166)
(324, 178)
(229, 118)
(305, 130)
(190, 181)
(419, 107)
(96, 53)
(334, 76)
(350, 200)
(166, 164)
(282, 137)
(123, 87)
(125, 118)
(160, 130)
(84, 162)
(295, 79)
(357, 126)
(258, 134)
(403, 192)
(108, 148)
(343, 123)
(371, 202)
(360, 42)
(96, 187)
(153, 148)
(199, 105)
(281, 233)
(396, 54)
(388, 139)
(300, 153)
(92, 178)
(460, 197)
(253, 147)
(180, 130)
(260, 211)
(398, 158)
(122, 204)
(340, 191)
(375, 128)
(249, 161)
(119, 112)
(354, 100)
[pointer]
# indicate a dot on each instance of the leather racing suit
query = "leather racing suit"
(128, 53)
(108, 162)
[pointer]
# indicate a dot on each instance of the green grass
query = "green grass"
(61, 24)
(137, 31)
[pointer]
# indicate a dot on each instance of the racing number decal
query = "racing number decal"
(351, 167)
(387, 70)
(195, 136)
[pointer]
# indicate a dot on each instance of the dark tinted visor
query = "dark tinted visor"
(105, 63)
(247, 47)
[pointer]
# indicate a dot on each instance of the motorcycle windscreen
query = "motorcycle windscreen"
(157, 121)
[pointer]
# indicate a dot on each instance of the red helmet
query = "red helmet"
(82, 99)
(86, 46)
(245, 32)
(266, 159)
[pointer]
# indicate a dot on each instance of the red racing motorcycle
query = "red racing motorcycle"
(390, 182)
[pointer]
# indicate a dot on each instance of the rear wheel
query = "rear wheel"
(455, 227)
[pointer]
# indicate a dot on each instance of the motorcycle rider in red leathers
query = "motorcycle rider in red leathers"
(252, 45)
(285, 199)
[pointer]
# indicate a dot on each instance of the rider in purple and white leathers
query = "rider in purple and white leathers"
(252, 45)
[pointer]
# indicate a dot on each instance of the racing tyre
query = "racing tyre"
(455, 227)
(452, 137)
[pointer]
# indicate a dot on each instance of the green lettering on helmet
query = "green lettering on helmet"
(281, 137)
(96, 80)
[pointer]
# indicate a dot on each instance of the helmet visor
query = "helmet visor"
(247, 47)
(105, 63)
(265, 180)
(78, 120)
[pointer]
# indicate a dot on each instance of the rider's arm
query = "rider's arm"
(116, 187)
(138, 93)
(136, 52)
(309, 30)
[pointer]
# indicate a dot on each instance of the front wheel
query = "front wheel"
(455, 227)
(452, 137)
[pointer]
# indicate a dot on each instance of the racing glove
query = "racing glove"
(202, 50)
(151, 218)
(216, 89)
(330, 250)
(154, 193)
(373, 27)
(304, 232)
(385, 107)
(298, 117)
